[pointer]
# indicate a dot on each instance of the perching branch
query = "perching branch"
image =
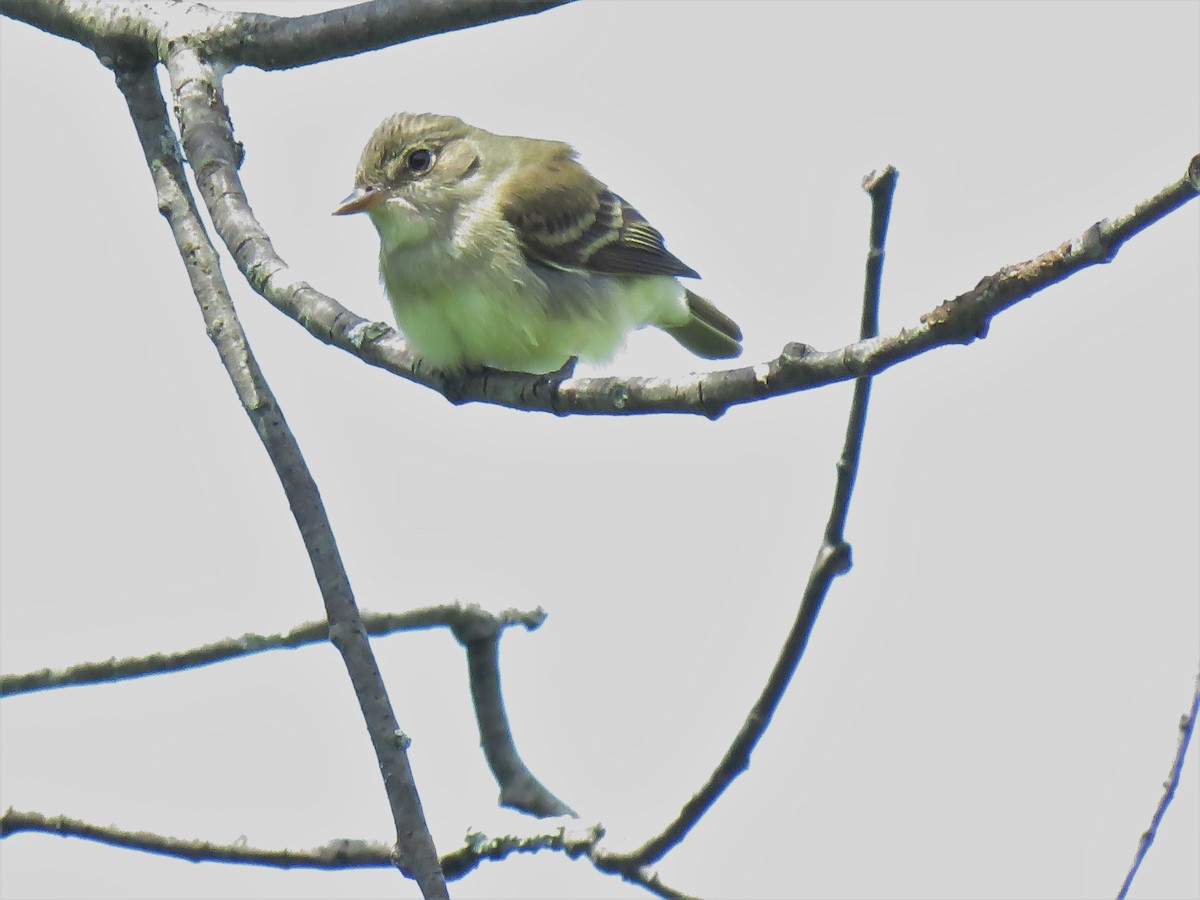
(140, 32)
(346, 630)
(337, 855)
(212, 150)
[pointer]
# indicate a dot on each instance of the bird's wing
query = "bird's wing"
(567, 219)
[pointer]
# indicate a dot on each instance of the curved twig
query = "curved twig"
(1187, 727)
(519, 788)
(833, 559)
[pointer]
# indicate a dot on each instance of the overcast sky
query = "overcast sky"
(989, 703)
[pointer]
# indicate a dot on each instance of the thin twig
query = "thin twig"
(479, 847)
(336, 855)
(343, 854)
(1187, 725)
(377, 624)
(346, 630)
(833, 559)
(519, 788)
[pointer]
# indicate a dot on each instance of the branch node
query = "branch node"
(366, 332)
(1092, 243)
(794, 350)
(839, 558)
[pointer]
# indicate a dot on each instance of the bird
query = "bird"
(504, 252)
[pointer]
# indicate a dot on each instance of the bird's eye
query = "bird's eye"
(419, 160)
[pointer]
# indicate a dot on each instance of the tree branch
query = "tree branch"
(337, 855)
(477, 631)
(346, 630)
(519, 789)
(1187, 726)
(279, 42)
(126, 34)
(343, 854)
(833, 559)
(125, 31)
(376, 624)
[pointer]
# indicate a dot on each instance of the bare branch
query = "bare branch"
(479, 635)
(278, 42)
(377, 625)
(120, 33)
(336, 855)
(833, 559)
(1187, 725)
(477, 630)
(124, 32)
(161, 663)
(346, 630)
(480, 847)
(343, 854)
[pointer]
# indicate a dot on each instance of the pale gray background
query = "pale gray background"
(990, 700)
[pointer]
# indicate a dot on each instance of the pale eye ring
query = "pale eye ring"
(419, 160)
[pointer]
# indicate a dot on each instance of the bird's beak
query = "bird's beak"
(361, 199)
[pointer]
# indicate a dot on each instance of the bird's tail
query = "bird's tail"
(708, 332)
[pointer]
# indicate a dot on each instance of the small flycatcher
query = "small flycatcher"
(505, 252)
